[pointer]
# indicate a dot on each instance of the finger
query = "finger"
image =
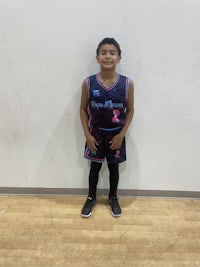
(96, 143)
(112, 146)
(93, 149)
(96, 146)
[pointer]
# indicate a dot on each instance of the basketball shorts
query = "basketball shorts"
(103, 137)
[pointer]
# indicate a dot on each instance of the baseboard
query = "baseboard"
(102, 192)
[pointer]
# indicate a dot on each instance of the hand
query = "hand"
(116, 142)
(92, 143)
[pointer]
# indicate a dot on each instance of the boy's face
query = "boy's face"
(108, 57)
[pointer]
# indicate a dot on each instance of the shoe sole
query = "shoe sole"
(86, 216)
(114, 215)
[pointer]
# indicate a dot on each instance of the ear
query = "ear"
(97, 58)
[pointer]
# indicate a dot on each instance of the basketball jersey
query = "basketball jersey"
(107, 105)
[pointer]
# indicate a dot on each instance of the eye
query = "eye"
(113, 53)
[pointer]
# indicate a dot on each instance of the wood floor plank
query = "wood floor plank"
(49, 231)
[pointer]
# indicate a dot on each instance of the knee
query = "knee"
(95, 166)
(113, 167)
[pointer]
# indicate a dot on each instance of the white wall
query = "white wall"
(47, 47)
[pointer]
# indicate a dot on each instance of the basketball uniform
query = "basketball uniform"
(107, 115)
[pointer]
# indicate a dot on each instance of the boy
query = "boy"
(106, 111)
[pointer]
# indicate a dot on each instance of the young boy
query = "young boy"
(106, 111)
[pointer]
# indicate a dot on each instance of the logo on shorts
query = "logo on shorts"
(117, 153)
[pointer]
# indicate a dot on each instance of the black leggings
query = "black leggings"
(94, 177)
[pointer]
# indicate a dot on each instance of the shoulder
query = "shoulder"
(127, 81)
(89, 79)
(125, 77)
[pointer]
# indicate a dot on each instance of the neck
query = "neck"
(107, 78)
(107, 75)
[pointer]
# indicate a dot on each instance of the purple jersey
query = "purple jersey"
(107, 105)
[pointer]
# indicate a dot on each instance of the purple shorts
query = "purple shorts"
(103, 137)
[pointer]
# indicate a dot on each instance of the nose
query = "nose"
(107, 55)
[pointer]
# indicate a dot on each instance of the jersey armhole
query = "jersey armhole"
(87, 80)
(128, 81)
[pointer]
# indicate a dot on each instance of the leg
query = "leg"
(93, 180)
(114, 179)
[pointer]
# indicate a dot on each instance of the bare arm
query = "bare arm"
(91, 141)
(117, 139)
(129, 109)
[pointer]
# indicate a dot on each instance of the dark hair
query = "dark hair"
(111, 41)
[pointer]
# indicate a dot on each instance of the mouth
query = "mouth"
(107, 62)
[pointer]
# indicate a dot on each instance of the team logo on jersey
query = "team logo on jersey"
(95, 93)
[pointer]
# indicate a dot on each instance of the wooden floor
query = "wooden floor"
(49, 231)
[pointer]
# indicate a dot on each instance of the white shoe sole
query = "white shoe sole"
(115, 215)
(86, 216)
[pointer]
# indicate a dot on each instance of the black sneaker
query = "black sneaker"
(87, 208)
(115, 207)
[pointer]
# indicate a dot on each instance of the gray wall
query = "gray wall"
(48, 47)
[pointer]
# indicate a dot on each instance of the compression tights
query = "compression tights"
(94, 177)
